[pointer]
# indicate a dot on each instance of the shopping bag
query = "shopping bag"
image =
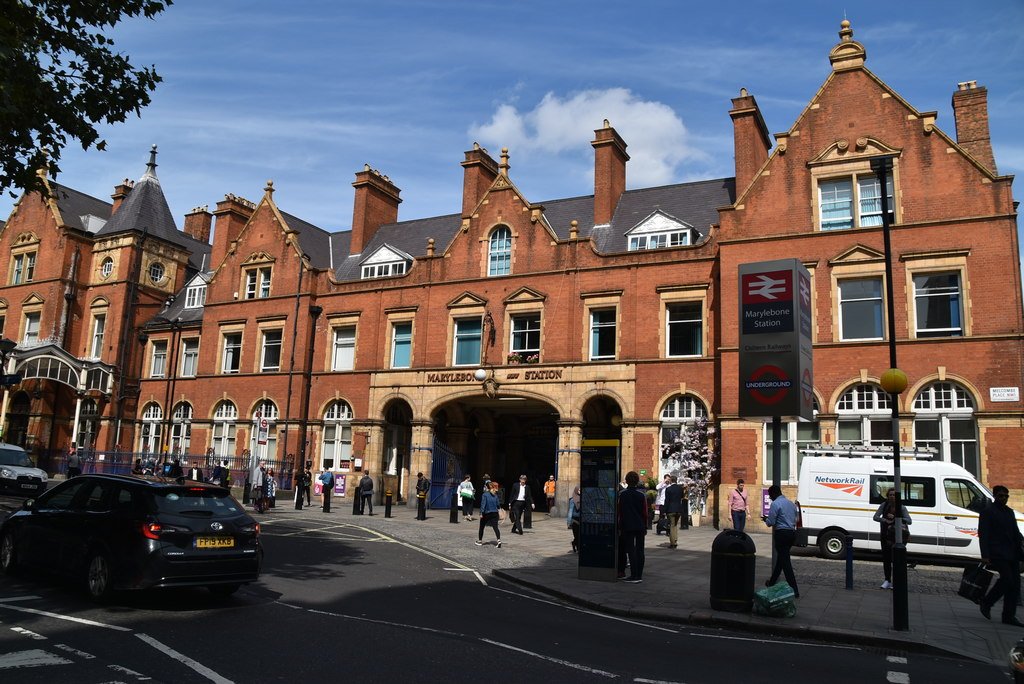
(663, 525)
(975, 582)
(775, 601)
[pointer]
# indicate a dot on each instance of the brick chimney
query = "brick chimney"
(198, 223)
(970, 110)
(751, 142)
(609, 172)
(376, 203)
(121, 191)
(232, 214)
(480, 172)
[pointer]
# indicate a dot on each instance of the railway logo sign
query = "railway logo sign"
(776, 357)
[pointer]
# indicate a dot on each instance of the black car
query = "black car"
(126, 532)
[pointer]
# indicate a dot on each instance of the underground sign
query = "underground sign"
(768, 385)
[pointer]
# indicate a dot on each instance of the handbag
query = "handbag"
(501, 515)
(975, 582)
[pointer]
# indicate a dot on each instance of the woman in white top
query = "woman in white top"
(466, 494)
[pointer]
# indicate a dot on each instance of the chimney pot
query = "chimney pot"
(609, 172)
(376, 203)
(970, 111)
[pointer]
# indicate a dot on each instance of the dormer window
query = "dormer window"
(499, 252)
(195, 296)
(660, 230)
(385, 262)
(853, 202)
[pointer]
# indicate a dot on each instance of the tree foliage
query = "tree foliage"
(693, 458)
(60, 77)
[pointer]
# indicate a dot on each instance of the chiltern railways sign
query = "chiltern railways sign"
(776, 359)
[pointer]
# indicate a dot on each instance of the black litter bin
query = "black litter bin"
(732, 572)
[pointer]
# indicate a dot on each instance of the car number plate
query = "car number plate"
(215, 542)
(28, 486)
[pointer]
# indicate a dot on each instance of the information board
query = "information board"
(599, 480)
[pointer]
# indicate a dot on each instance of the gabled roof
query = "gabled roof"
(386, 253)
(658, 221)
(313, 241)
(73, 205)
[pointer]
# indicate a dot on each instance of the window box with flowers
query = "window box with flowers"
(516, 358)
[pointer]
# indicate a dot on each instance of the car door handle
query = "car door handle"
(950, 517)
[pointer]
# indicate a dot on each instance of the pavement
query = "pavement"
(676, 584)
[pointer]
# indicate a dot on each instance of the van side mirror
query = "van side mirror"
(28, 504)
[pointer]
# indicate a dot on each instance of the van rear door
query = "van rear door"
(960, 503)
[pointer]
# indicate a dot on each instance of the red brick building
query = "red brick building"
(497, 338)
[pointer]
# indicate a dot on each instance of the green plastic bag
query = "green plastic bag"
(775, 601)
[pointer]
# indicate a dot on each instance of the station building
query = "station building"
(499, 337)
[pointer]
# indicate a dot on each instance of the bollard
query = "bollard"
(849, 561)
(245, 492)
(356, 500)
(453, 513)
(387, 503)
(527, 518)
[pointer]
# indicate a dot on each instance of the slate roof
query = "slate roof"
(315, 242)
(174, 309)
(695, 203)
(73, 205)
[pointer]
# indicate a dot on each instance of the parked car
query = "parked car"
(17, 473)
(126, 532)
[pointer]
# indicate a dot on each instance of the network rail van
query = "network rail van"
(838, 496)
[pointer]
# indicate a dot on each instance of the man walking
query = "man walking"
(673, 508)
(307, 482)
(422, 487)
(195, 473)
(1002, 547)
(549, 493)
(366, 493)
(632, 517)
(782, 519)
(518, 500)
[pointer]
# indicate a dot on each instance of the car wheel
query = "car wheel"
(832, 545)
(99, 576)
(223, 589)
(8, 553)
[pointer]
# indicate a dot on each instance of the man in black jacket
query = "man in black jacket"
(632, 519)
(366, 493)
(1001, 549)
(518, 499)
(673, 508)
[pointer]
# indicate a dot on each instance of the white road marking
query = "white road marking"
(31, 635)
(74, 651)
(776, 641)
(58, 616)
(481, 578)
(124, 670)
(586, 611)
(896, 659)
(34, 658)
(654, 681)
(559, 661)
(9, 599)
(184, 660)
(460, 569)
(897, 677)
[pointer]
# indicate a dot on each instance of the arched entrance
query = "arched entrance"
(397, 439)
(602, 419)
(503, 437)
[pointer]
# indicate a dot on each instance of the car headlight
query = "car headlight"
(44, 477)
(7, 473)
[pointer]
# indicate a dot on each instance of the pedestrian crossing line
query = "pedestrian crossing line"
(559, 661)
(897, 677)
(34, 658)
(58, 616)
(896, 660)
(132, 673)
(74, 651)
(29, 634)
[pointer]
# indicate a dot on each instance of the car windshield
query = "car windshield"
(14, 457)
(196, 501)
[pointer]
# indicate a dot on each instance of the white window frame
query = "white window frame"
(406, 339)
(225, 429)
(336, 442)
(595, 332)
(677, 414)
(859, 216)
(696, 304)
(231, 353)
(343, 350)
(106, 267)
(32, 324)
(879, 300)
(267, 344)
(467, 336)
(157, 272)
(181, 428)
(99, 324)
(792, 442)
(385, 270)
(267, 410)
(924, 296)
(158, 359)
(868, 406)
(24, 269)
(257, 282)
(674, 238)
(189, 358)
(946, 403)
(499, 252)
(152, 428)
(524, 326)
(195, 296)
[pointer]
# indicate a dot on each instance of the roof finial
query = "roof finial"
(504, 160)
(845, 32)
(151, 165)
(269, 188)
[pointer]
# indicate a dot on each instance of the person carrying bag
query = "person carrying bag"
(886, 517)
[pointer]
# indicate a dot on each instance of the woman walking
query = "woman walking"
(466, 495)
(886, 517)
(489, 514)
(572, 521)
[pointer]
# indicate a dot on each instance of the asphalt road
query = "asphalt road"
(340, 601)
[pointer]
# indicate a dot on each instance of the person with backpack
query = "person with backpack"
(886, 516)
(327, 484)
(422, 487)
(466, 496)
(366, 493)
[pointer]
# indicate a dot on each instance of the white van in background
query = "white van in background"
(838, 496)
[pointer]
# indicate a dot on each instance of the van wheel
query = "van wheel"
(832, 545)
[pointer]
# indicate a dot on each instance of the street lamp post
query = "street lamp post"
(6, 347)
(893, 381)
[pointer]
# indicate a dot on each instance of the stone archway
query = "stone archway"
(396, 448)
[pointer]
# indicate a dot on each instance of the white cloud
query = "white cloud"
(655, 136)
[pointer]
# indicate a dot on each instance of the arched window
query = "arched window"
(224, 429)
(149, 440)
(87, 423)
(499, 252)
(944, 420)
(264, 410)
(336, 452)
(181, 428)
(678, 412)
(796, 435)
(865, 417)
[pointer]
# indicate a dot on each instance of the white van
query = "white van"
(839, 495)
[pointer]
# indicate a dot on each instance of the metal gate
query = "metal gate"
(445, 475)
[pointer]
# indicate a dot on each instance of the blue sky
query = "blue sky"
(306, 92)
